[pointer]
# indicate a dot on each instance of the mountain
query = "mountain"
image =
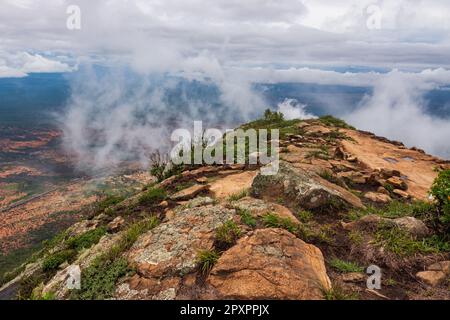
(343, 202)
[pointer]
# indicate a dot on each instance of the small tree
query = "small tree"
(440, 190)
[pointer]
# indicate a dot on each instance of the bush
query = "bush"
(87, 239)
(440, 190)
(53, 261)
(152, 196)
(228, 233)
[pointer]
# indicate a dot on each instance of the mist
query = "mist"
(397, 110)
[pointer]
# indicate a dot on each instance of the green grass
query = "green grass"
(272, 220)
(206, 260)
(401, 243)
(228, 233)
(396, 209)
(99, 279)
(109, 201)
(356, 237)
(329, 120)
(345, 266)
(247, 218)
(87, 239)
(239, 195)
(152, 197)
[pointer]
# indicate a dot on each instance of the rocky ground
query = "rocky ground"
(342, 200)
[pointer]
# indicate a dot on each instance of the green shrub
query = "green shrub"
(87, 239)
(440, 190)
(345, 266)
(152, 196)
(52, 262)
(98, 281)
(206, 259)
(228, 233)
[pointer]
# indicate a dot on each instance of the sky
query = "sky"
(400, 48)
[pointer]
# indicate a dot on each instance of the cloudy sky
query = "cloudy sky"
(162, 34)
(402, 43)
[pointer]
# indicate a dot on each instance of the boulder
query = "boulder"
(169, 251)
(304, 188)
(270, 264)
(401, 193)
(367, 223)
(432, 278)
(116, 224)
(377, 197)
(397, 183)
(435, 273)
(413, 226)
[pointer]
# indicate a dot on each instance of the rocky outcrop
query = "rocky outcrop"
(258, 208)
(306, 189)
(164, 255)
(270, 264)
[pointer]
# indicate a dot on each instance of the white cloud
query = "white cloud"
(23, 63)
(292, 109)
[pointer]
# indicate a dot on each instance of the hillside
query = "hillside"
(341, 201)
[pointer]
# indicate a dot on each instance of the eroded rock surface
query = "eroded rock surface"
(270, 264)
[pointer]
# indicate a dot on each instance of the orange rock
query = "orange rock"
(270, 264)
